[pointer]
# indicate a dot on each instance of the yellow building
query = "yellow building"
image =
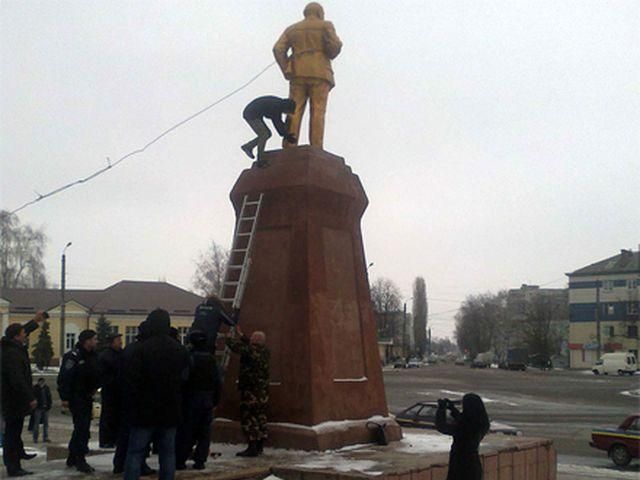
(603, 308)
(124, 304)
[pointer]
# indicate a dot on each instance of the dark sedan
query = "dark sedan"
(423, 415)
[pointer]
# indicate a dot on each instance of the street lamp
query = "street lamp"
(62, 301)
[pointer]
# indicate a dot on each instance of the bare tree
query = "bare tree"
(479, 323)
(210, 268)
(540, 328)
(386, 299)
(21, 251)
(420, 314)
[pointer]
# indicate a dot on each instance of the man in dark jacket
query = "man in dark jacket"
(124, 428)
(253, 383)
(201, 394)
(254, 114)
(41, 413)
(154, 378)
(109, 364)
(208, 318)
(17, 392)
(78, 381)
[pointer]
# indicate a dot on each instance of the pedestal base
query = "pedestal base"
(324, 436)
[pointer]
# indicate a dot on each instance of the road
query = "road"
(562, 405)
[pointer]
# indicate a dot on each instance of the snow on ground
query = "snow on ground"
(581, 471)
(424, 443)
(341, 464)
(631, 393)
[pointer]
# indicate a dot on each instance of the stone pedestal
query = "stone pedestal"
(308, 290)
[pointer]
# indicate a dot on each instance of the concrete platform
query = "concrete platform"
(419, 456)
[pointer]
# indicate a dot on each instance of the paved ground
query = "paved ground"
(561, 405)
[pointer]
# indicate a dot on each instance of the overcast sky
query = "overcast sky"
(498, 141)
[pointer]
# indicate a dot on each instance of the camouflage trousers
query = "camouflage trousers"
(253, 414)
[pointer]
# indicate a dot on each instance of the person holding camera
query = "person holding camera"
(17, 392)
(467, 429)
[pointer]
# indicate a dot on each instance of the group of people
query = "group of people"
(157, 395)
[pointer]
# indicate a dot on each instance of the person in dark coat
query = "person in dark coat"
(122, 442)
(467, 429)
(201, 394)
(154, 377)
(208, 318)
(254, 114)
(109, 364)
(78, 381)
(41, 413)
(17, 392)
(253, 383)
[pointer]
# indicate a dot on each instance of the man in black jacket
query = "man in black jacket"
(154, 378)
(254, 114)
(124, 428)
(201, 394)
(17, 392)
(41, 413)
(78, 381)
(109, 364)
(208, 318)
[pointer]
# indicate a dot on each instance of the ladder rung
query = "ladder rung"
(247, 219)
(234, 267)
(239, 250)
(227, 299)
(244, 234)
(257, 202)
(232, 283)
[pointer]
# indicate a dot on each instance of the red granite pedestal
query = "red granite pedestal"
(308, 290)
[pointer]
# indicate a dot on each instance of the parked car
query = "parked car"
(413, 363)
(399, 364)
(622, 443)
(537, 360)
(617, 362)
(423, 415)
(482, 360)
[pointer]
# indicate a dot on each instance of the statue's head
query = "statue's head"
(314, 9)
(289, 105)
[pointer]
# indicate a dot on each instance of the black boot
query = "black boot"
(71, 460)
(260, 446)
(146, 470)
(251, 451)
(27, 456)
(83, 466)
(18, 473)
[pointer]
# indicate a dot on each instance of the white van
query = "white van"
(616, 363)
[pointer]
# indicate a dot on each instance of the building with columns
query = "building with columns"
(124, 304)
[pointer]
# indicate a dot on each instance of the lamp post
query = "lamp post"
(62, 301)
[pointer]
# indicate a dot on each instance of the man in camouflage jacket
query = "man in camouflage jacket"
(253, 383)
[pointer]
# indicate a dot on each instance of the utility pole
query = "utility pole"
(598, 318)
(62, 301)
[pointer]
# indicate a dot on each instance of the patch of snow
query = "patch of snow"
(272, 477)
(631, 393)
(340, 464)
(424, 443)
(332, 426)
(596, 472)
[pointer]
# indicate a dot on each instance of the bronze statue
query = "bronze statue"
(313, 43)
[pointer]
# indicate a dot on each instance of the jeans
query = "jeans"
(12, 443)
(40, 415)
(260, 141)
(139, 438)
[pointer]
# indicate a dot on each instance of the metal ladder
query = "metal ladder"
(237, 271)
